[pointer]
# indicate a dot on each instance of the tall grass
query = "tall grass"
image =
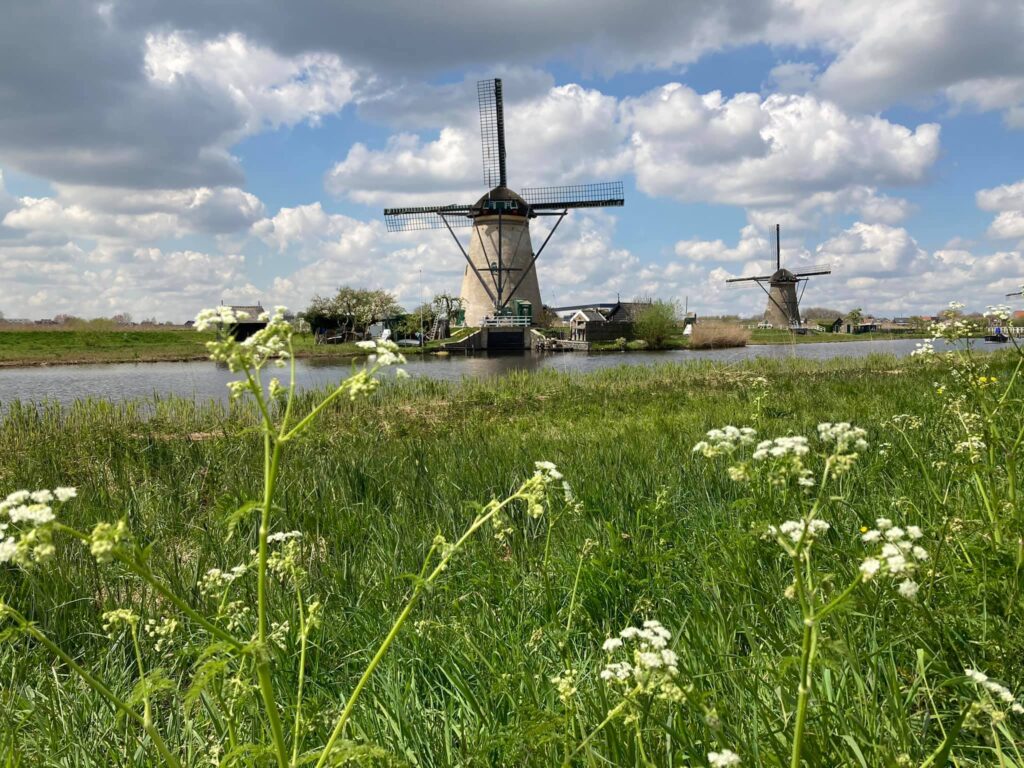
(660, 534)
(711, 335)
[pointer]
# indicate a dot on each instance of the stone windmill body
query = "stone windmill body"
(783, 309)
(500, 261)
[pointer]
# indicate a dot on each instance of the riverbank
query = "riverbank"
(81, 347)
(659, 534)
(84, 347)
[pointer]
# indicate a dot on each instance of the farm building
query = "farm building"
(246, 328)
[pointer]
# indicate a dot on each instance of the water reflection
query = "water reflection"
(204, 380)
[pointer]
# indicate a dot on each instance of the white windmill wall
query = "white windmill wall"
(783, 309)
(517, 251)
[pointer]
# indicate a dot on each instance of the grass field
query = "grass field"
(54, 347)
(660, 534)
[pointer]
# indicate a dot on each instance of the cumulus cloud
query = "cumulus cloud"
(103, 281)
(133, 215)
(750, 151)
(563, 135)
(1008, 201)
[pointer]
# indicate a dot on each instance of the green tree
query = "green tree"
(351, 311)
(656, 323)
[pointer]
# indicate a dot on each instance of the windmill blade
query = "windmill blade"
(814, 269)
(427, 217)
(492, 131)
(600, 195)
(812, 273)
(758, 279)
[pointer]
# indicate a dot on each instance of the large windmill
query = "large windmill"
(500, 261)
(783, 308)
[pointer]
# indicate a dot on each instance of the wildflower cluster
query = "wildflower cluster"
(115, 618)
(724, 759)
(269, 344)
(565, 684)
(215, 580)
(1000, 313)
(784, 458)
(798, 534)
(724, 441)
(995, 692)
(285, 560)
(534, 492)
(898, 555)
(849, 442)
(25, 531)
(652, 667)
(163, 630)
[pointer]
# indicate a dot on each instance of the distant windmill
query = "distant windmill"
(783, 303)
(500, 261)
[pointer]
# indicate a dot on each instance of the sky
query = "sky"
(157, 158)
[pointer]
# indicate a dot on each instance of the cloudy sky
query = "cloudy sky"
(159, 157)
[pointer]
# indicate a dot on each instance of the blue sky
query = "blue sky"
(204, 156)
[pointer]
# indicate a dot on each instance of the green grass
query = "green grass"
(782, 336)
(468, 681)
(54, 347)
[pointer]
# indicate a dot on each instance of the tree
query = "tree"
(446, 305)
(855, 316)
(656, 322)
(351, 310)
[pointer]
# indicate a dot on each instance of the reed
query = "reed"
(710, 335)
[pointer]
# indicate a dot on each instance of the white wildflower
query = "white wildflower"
(283, 536)
(869, 568)
(908, 588)
(65, 493)
(723, 759)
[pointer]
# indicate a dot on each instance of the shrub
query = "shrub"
(656, 323)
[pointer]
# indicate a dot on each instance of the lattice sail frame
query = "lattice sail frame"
(492, 131)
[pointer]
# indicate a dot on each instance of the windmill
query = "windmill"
(500, 260)
(783, 302)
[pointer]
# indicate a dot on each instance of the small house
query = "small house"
(583, 324)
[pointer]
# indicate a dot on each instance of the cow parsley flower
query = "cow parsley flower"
(998, 696)
(652, 667)
(897, 555)
(725, 441)
(723, 759)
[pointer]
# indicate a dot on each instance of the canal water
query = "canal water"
(205, 380)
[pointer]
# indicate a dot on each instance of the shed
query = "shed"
(252, 323)
(581, 323)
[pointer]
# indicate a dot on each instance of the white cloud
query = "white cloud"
(767, 152)
(871, 249)
(751, 246)
(145, 282)
(137, 216)
(270, 89)
(563, 135)
(1008, 201)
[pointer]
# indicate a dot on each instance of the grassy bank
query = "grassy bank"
(660, 534)
(64, 347)
(782, 336)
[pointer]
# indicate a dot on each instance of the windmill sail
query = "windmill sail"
(492, 131)
(575, 196)
(427, 217)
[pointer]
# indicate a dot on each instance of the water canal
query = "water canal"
(203, 380)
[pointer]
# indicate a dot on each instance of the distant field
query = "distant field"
(48, 346)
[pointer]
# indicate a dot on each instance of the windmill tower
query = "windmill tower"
(500, 263)
(783, 308)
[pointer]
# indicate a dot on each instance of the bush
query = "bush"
(656, 323)
(718, 336)
(637, 344)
